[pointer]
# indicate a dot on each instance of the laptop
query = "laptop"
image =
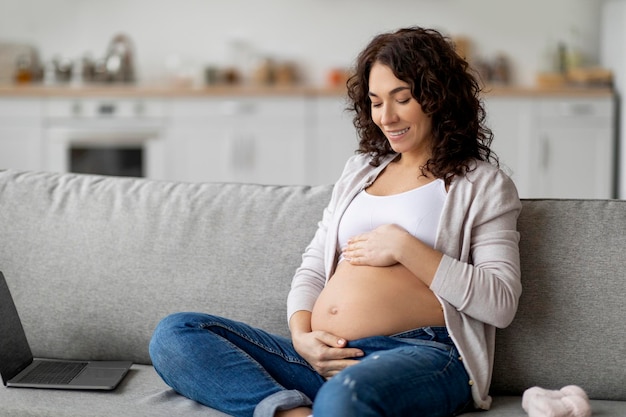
(19, 369)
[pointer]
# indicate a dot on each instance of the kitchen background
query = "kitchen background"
(316, 34)
(189, 44)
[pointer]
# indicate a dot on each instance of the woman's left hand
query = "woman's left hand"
(376, 248)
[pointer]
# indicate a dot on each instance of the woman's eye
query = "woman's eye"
(376, 104)
(404, 101)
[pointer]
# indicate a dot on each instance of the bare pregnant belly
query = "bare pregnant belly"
(362, 301)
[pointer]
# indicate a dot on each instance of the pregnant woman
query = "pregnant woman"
(414, 265)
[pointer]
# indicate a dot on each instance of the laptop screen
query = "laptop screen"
(15, 354)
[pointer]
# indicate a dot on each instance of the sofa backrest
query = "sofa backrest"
(571, 324)
(95, 262)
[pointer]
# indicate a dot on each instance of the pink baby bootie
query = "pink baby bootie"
(569, 401)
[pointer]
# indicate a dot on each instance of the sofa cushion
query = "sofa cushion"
(141, 394)
(95, 262)
(570, 327)
(511, 406)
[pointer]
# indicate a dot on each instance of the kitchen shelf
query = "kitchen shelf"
(139, 90)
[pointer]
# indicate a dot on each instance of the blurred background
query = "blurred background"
(203, 90)
(316, 34)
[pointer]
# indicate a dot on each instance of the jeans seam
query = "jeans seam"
(266, 348)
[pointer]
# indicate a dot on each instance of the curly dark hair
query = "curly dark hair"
(441, 82)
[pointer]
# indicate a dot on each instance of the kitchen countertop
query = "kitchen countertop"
(156, 91)
(147, 91)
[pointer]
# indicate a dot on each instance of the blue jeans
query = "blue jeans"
(244, 371)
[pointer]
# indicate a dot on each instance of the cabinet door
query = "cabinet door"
(574, 149)
(268, 141)
(274, 154)
(197, 154)
(21, 134)
(574, 163)
(269, 155)
(334, 140)
(239, 140)
(20, 148)
(510, 121)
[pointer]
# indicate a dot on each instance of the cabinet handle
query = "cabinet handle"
(106, 109)
(77, 108)
(578, 109)
(545, 155)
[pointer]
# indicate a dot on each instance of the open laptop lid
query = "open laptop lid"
(15, 353)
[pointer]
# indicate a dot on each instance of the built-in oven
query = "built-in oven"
(106, 136)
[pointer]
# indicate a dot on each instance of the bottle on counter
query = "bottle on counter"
(24, 70)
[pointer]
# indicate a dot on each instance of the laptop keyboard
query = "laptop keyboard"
(53, 373)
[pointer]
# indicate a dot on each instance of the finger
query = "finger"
(352, 253)
(338, 366)
(331, 340)
(337, 348)
(335, 354)
(355, 239)
(357, 260)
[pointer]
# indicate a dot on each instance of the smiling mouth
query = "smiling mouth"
(397, 133)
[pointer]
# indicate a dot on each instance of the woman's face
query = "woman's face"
(398, 114)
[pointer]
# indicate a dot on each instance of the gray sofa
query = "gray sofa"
(95, 262)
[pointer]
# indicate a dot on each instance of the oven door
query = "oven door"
(106, 149)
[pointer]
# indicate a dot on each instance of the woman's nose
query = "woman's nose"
(389, 115)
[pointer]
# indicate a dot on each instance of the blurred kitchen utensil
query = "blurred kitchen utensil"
(119, 60)
(19, 63)
(63, 68)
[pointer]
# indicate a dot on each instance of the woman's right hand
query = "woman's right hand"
(325, 352)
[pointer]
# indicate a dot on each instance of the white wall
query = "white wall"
(318, 34)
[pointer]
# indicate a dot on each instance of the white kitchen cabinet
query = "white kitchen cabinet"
(21, 134)
(510, 120)
(555, 147)
(242, 139)
(574, 149)
(552, 146)
(334, 140)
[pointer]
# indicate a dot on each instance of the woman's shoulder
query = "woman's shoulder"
(361, 164)
(485, 171)
(485, 189)
(484, 176)
(357, 173)
(358, 160)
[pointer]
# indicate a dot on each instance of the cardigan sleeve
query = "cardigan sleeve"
(310, 278)
(318, 258)
(479, 273)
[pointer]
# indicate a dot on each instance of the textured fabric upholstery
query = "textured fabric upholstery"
(95, 262)
(99, 261)
(571, 326)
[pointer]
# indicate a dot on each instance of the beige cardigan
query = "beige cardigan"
(478, 279)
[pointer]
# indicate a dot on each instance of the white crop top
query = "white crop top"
(417, 211)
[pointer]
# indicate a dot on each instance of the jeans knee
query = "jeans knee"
(342, 395)
(164, 334)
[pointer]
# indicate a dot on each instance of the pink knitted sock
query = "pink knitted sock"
(570, 401)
